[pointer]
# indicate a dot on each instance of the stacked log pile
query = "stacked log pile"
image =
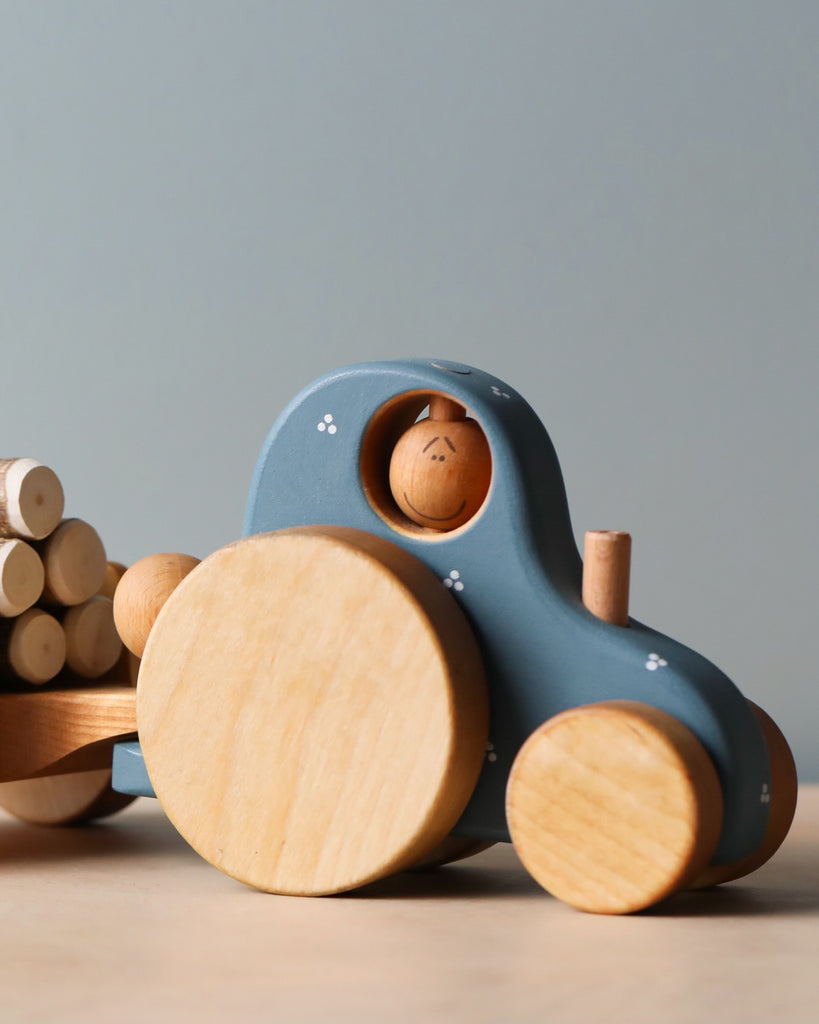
(56, 585)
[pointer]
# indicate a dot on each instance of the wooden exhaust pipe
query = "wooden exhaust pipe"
(606, 566)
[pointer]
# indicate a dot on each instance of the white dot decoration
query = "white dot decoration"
(327, 425)
(654, 662)
(454, 581)
(498, 393)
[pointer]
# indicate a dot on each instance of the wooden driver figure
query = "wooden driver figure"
(441, 467)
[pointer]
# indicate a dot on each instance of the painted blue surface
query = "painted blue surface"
(129, 774)
(516, 572)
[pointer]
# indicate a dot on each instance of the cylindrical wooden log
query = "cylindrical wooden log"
(92, 644)
(21, 576)
(606, 567)
(74, 561)
(32, 647)
(113, 574)
(31, 499)
(126, 669)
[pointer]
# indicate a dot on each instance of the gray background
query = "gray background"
(613, 206)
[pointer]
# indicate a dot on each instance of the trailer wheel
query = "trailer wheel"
(63, 799)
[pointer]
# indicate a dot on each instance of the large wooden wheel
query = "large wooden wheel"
(613, 806)
(312, 709)
(782, 799)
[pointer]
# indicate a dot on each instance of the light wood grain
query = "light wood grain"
(312, 709)
(783, 794)
(142, 591)
(613, 806)
(62, 731)
(440, 469)
(63, 799)
(21, 576)
(92, 642)
(32, 647)
(606, 571)
(74, 561)
(31, 499)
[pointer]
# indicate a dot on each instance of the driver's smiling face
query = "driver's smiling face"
(440, 472)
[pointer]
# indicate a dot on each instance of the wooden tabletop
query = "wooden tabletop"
(123, 922)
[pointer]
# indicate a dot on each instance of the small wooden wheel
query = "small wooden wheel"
(63, 799)
(782, 797)
(613, 806)
(312, 710)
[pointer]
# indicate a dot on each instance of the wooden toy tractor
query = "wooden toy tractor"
(405, 660)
